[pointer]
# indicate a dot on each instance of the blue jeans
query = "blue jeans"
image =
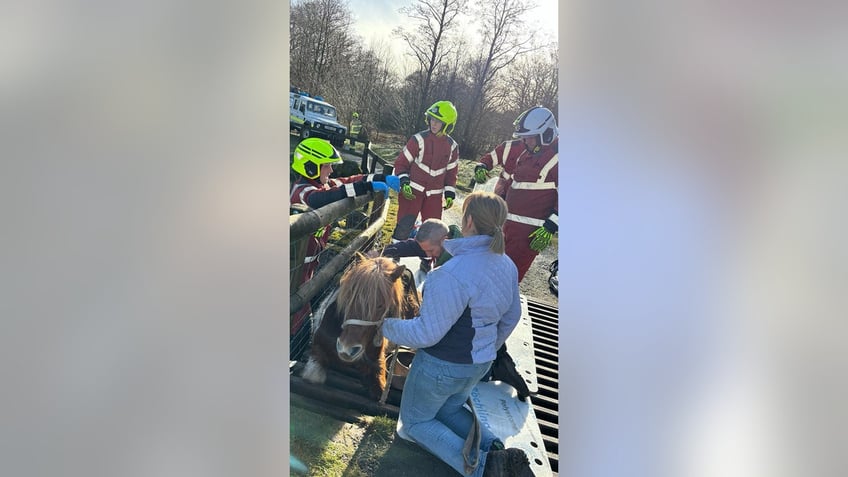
(432, 412)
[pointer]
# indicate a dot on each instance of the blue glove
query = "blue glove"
(393, 182)
(380, 186)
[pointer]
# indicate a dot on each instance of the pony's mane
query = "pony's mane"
(366, 291)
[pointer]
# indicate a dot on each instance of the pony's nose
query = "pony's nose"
(348, 354)
(354, 351)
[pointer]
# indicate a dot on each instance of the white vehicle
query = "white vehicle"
(314, 117)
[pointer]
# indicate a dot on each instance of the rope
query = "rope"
(472, 442)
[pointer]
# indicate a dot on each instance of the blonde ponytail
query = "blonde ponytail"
(489, 214)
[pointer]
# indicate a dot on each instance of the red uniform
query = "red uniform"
(315, 195)
(529, 186)
(504, 155)
(430, 163)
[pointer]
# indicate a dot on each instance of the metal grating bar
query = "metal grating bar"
(545, 321)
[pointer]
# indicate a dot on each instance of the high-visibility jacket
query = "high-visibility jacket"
(355, 127)
(430, 162)
(528, 182)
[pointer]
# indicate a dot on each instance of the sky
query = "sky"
(375, 20)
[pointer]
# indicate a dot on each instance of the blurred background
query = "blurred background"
(702, 257)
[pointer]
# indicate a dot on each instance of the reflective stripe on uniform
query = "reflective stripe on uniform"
(420, 141)
(428, 193)
(525, 220)
(350, 191)
(502, 160)
(540, 184)
(534, 185)
(310, 259)
(548, 166)
(408, 155)
(304, 190)
(437, 172)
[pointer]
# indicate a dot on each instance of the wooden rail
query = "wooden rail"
(301, 225)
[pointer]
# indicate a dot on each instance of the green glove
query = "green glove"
(481, 174)
(448, 203)
(406, 190)
(540, 239)
(454, 231)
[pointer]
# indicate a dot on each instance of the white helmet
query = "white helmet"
(539, 121)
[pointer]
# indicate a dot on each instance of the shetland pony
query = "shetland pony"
(347, 323)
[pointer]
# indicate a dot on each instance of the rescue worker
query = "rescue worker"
(427, 168)
(528, 183)
(355, 129)
(313, 162)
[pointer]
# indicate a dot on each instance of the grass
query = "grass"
(365, 446)
(310, 443)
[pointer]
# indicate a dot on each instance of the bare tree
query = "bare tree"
(428, 43)
(366, 85)
(533, 80)
(320, 42)
(505, 38)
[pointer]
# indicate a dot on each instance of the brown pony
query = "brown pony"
(347, 323)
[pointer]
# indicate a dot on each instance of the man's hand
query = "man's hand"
(448, 203)
(381, 187)
(541, 237)
(393, 182)
(406, 188)
(481, 174)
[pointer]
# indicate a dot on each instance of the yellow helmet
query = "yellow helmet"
(445, 112)
(311, 153)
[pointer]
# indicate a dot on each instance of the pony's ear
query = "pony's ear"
(358, 257)
(397, 272)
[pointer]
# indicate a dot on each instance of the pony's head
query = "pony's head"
(370, 290)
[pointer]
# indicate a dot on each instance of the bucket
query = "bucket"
(402, 369)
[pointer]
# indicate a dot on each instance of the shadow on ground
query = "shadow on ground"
(399, 459)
